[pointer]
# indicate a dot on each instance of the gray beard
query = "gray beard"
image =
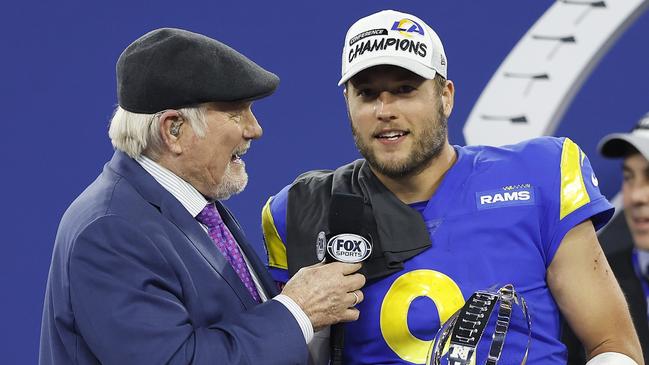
(231, 184)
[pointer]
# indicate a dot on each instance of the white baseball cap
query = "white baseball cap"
(392, 38)
(617, 145)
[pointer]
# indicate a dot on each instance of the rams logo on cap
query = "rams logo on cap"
(407, 26)
(349, 248)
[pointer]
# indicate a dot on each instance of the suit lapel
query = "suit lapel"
(171, 209)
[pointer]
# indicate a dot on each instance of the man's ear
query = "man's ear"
(170, 129)
(346, 97)
(448, 97)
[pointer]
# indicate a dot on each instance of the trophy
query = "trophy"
(465, 329)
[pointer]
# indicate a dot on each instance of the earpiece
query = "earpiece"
(174, 130)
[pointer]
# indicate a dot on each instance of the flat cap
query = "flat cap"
(170, 68)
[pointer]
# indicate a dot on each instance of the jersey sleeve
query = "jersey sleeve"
(273, 222)
(574, 195)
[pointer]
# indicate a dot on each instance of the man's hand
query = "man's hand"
(327, 293)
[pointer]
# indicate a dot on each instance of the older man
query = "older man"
(446, 221)
(148, 266)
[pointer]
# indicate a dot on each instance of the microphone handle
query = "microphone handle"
(336, 334)
(337, 342)
(345, 215)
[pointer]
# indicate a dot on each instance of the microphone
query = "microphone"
(348, 240)
(347, 243)
(345, 213)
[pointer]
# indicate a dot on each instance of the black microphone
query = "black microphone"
(345, 213)
(347, 242)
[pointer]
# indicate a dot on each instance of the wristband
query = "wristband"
(611, 358)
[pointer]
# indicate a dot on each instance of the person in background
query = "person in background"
(631, 267)
(627, 237)
(149, 266)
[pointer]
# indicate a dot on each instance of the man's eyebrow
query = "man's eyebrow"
(627, 168)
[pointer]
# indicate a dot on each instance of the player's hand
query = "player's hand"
(327, 293)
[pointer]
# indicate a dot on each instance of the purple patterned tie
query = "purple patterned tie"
(223, 239)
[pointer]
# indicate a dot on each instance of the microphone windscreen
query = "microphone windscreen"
(346, 214)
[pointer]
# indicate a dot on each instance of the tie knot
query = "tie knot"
(210, 216)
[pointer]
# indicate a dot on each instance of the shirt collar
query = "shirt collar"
(643, 261)
(186, 194)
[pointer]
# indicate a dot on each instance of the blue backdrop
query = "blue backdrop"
(58, 93)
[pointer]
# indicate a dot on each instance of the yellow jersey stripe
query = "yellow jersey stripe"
(274, 244)
(573, 190)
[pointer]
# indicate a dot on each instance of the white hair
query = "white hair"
(138, 134)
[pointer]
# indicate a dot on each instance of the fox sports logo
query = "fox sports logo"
(349, 248)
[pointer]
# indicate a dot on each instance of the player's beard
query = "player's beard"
(428, 145)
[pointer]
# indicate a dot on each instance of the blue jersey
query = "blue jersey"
(498, 217)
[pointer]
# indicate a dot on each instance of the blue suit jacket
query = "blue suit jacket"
(134, 279)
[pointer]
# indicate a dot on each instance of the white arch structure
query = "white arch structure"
(531, 90)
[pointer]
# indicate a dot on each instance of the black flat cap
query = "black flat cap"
(171, 68)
